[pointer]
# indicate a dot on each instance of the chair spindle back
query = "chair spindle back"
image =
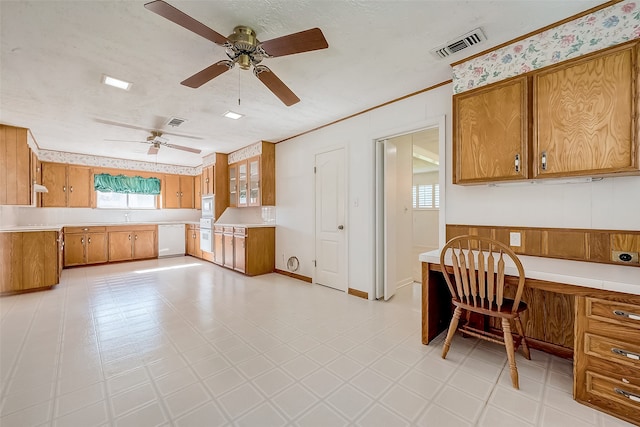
(477, 282)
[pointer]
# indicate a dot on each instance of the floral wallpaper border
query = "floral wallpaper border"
(246, 152)
(110, 162)
(606, 27)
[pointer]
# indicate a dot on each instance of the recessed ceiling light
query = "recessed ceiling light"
(232, 115)
(111, 81)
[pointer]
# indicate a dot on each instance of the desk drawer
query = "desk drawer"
(616, 396)
(618, 351)
(613, 312)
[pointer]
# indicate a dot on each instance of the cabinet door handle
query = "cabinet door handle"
(71, 189)
(136, 237)
(627, 394)
(89, 240)
(129, 236)
(543, 161)
(517, 163)
(625, 353)
(85, 229)
(631, 316)
(82, 240)
(64, 188)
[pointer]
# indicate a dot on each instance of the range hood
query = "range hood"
(37, 188)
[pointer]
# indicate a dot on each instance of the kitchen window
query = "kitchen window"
(426, 196)
(108, 200)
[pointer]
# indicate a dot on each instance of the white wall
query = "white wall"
(613, 203)
(70, 216)
(295, 181)
(8, 216)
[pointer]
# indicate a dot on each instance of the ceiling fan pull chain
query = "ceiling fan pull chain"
(238, 87)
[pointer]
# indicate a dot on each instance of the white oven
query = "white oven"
(208, 206)
(206, 234)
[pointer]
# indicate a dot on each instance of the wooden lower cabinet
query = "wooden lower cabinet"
(132, 243)
(228, 253)
(218, 245)
(193, 241)
(248, 250)
(239, 250)
(607, 357)
(85, 245)
(30, 260)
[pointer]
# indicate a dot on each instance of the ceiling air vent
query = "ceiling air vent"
(470, 39)
(175, 122)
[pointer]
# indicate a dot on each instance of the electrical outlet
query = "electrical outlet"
(514, 239)
(625, 257)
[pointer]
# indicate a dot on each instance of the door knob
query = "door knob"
(341, 227)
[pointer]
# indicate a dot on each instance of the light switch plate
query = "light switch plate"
(514, 239)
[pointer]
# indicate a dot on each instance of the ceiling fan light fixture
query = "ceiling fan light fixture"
(232, 115)
(112, 81)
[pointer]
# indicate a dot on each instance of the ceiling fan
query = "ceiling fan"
(243, 48)
(156, 140)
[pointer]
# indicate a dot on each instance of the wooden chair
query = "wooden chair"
(479, 288)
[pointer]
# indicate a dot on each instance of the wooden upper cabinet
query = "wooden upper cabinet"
(178, 192)
(197, 192)
(233, 185)
(54, 177)
(171, 192)
(15, 166)
(253, 169)
(80, 186)
(491, 133)
(208, 180)
(69, 186)
(186, 192)
(252, 182)
(585, 113)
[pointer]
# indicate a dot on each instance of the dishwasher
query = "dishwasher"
(171, 240)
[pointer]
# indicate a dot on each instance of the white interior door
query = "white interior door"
(331, 252)
(390, 203)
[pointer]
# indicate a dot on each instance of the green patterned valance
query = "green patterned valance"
(126, 184)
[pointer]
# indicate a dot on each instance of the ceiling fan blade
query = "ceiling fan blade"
(121, 140)
(207, 74)
(153, 149)
(183, 148)
(304, 41)
(275, 85)
(128, 126)
(165, 10)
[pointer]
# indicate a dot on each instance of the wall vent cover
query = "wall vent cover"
(470, 39)
(175, 122)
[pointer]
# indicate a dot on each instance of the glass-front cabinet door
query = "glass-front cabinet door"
(233, 185)
(254, 181)
(242, 184)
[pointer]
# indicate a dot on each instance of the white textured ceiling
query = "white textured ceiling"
(53, 54)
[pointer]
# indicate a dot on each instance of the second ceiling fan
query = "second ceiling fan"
(243, 48)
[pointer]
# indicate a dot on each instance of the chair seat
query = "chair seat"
(506, 310)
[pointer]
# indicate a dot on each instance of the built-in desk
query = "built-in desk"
(565, 279)
(591, 308)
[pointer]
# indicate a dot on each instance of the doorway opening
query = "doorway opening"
(409, 204)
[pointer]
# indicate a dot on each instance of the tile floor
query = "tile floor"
(180, 342)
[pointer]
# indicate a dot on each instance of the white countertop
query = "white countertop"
(610, 277)
(260, 225)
